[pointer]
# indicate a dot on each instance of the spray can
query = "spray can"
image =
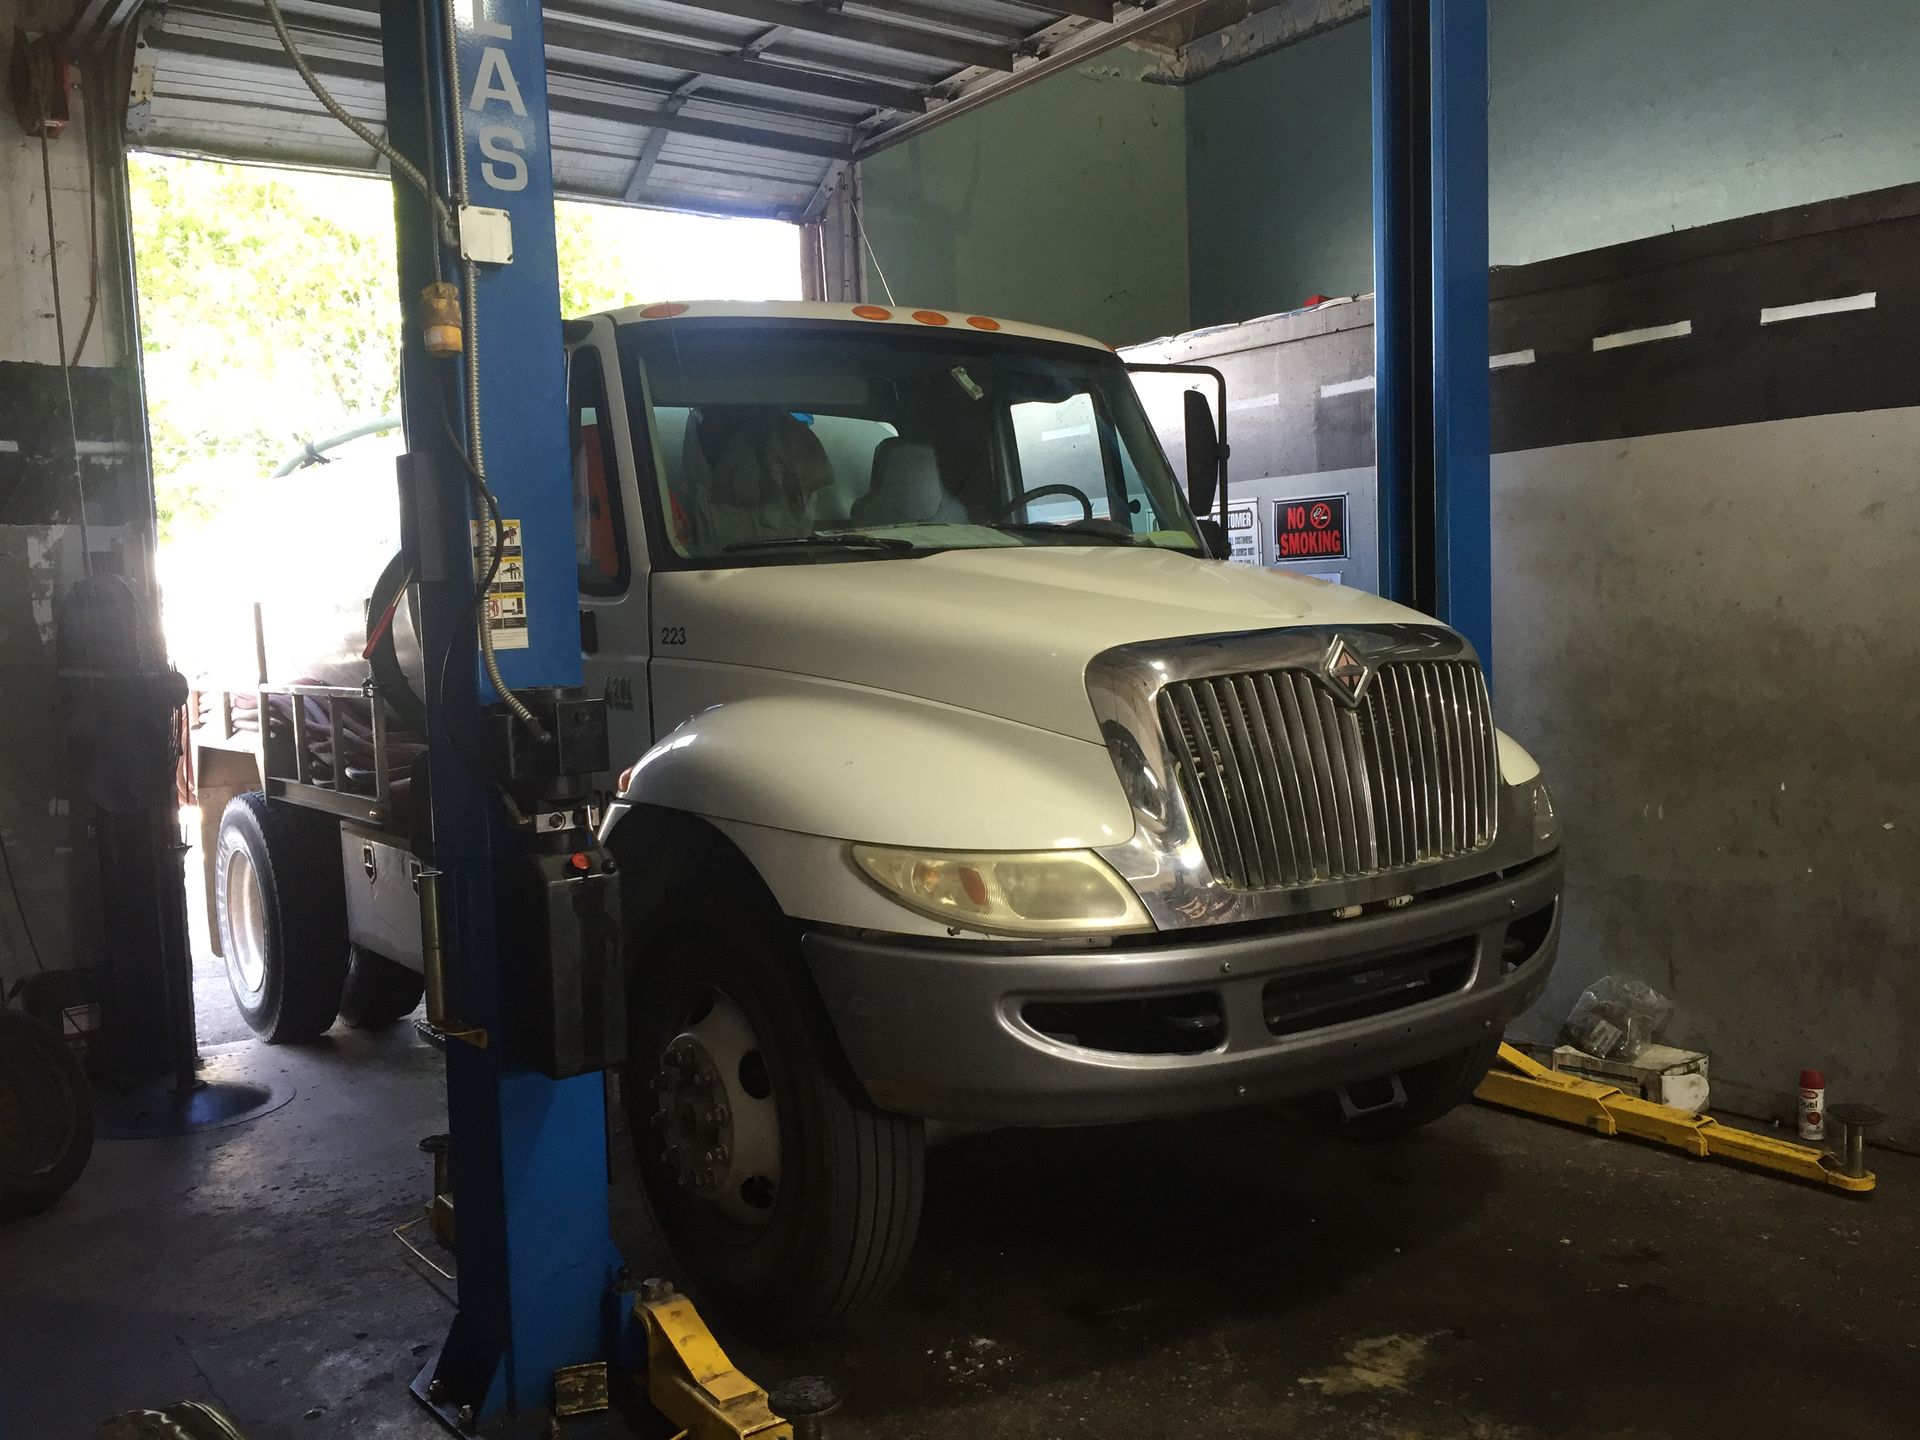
(1813, 1105)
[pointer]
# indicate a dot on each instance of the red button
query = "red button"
(581, 861)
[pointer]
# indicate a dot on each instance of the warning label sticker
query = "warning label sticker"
(507, 595)
(1243, 531)
(1313, 528)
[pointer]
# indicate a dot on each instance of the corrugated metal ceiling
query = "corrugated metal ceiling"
(728, 106)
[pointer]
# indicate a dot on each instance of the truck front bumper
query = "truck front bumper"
(1157, 1029)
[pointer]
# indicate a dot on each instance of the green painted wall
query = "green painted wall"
(1280, 178)
(1606, 123)
(1103, 203)
(1064, 204)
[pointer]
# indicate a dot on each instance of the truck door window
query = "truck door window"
(1060, 444)
(599, 525)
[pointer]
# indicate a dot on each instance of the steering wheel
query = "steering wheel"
(1086, 505)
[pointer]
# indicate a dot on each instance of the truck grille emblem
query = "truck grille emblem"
(1346, 671)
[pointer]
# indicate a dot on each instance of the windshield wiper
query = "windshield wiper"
(1075, 528)
(822, 539)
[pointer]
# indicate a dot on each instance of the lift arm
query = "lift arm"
(1527, 1085)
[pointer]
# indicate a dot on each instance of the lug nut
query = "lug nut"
(719, 1115)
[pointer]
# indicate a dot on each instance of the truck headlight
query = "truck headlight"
(1546, 823)
(1038, 893)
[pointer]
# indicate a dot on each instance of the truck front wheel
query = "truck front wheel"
(777, 1186)
(282, 915)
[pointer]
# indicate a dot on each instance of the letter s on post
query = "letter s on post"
(505, 167)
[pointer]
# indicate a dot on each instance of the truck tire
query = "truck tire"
(1432, 1090)
(790, 1200)
(46, 1116)
(378, 991)
(281, 909)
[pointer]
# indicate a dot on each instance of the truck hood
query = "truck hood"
(1004, 631)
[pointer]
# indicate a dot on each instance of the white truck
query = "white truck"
(966, 785)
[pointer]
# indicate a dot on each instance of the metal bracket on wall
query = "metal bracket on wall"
(1530, 1087)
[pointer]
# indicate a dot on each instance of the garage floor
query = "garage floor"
(1493, 1279)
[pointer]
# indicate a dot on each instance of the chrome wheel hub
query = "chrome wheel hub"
(246, 937)
(714, 1112)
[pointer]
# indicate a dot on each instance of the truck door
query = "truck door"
(610, 548)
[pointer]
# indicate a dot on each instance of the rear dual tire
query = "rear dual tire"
(281, 909)
(280, 903)
(379, 992)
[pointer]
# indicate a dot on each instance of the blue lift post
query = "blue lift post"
(536, 1261)
(1433, 431)
(537, 1268)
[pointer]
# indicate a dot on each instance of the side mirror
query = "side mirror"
(1203, 454)
(1206, 453)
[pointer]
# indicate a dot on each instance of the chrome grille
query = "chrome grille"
(1288, 786)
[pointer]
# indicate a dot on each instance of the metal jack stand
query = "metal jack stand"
(691, 1381)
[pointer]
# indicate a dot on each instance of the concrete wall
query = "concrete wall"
(1606, 123)
(1724, 697)
(1064, 205)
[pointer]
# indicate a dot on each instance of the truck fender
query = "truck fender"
(884, 769)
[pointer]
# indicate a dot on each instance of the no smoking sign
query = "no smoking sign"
(1313, 527)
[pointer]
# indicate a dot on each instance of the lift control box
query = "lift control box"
(569, 1015)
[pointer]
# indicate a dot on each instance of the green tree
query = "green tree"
(268, 312)
(267, 317)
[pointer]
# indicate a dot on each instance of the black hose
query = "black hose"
(389, 676)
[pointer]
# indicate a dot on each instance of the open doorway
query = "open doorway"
(270, 329)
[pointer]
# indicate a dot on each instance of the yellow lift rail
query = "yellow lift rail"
(1528, 1086)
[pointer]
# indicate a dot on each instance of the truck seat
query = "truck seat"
(763, 482)
(907, 488)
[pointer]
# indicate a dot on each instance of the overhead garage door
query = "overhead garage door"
(747, 107)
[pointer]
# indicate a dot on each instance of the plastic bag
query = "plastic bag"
(1617, 1018)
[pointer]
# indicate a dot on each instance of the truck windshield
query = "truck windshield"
(820, 439)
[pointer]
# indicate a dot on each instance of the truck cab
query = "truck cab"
(957, 780)
(963, 783)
